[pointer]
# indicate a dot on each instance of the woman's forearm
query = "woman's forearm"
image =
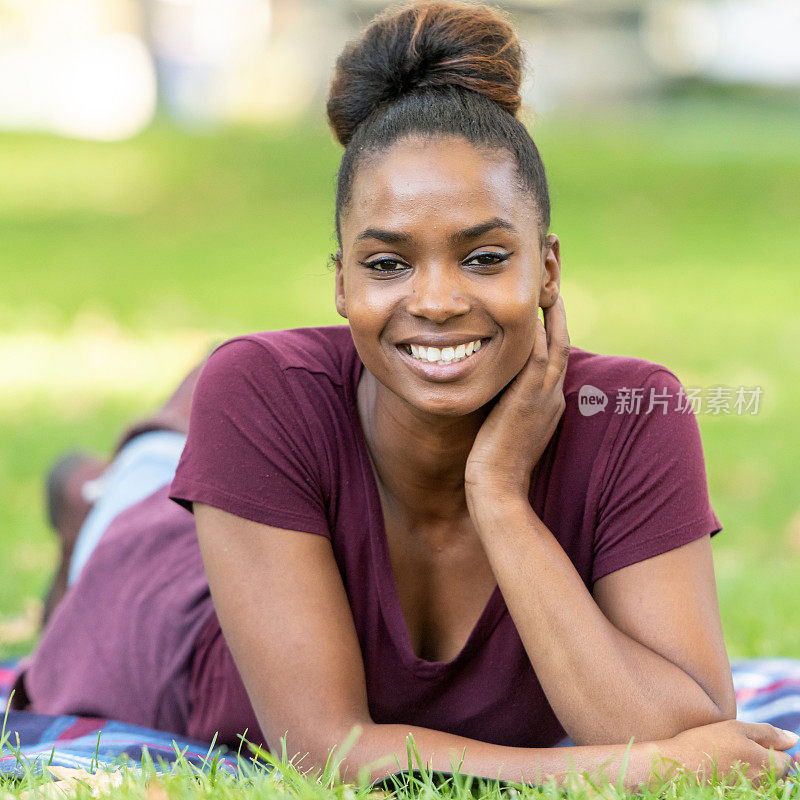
(603, 685)
(381, 749)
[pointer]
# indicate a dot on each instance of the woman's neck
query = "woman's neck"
(419, 458)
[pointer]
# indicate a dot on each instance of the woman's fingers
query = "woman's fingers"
(756, 747)
(769, 736)
(774, 761)
(555, 321)
(774, 741)
(540, 342)
(547, 364)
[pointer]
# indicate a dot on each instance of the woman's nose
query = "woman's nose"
(437, 295)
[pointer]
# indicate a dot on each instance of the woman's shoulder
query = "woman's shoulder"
(323, 350)
(587, 370)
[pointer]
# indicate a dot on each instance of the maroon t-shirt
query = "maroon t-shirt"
(275, 437)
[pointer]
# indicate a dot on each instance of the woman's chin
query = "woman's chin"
(445, 403)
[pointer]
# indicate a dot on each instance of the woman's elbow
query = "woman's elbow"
(726, 708)
(712, 712)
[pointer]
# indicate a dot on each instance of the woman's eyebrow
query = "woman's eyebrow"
(390, 237)
(483, 227)
(459, 237)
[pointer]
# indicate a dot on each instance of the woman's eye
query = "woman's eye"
(488, 259)
(383, 265)
(393, 265)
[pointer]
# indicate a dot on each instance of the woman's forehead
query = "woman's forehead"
(433, 182)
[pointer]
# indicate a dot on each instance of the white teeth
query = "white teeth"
(445, 355)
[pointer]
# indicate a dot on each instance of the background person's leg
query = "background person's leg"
(143, 465)
(76, 482)
(146, 456)
(69, 499)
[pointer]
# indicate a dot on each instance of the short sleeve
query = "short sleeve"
(249, 451)
(654, 494)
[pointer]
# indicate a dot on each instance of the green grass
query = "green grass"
(121, 263)
(266, 776)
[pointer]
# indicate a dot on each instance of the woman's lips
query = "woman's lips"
(444, 372)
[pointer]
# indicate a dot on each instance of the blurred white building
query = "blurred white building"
(101, 68)
(76, 68)
(730, 41)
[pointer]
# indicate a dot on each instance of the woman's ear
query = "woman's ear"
(550, 286)
(341, 307)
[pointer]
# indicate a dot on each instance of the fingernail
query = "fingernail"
(791, 734)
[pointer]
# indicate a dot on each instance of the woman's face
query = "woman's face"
(440, 250)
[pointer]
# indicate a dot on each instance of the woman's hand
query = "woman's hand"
(758, 745)
(514, 435)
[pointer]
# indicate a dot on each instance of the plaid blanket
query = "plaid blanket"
(86, 742)
(767, 690)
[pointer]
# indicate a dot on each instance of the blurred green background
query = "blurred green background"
(123, 262)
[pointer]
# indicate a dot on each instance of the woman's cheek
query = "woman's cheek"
(519, 339)
(372, 303)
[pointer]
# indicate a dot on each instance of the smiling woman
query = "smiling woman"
(409, 523)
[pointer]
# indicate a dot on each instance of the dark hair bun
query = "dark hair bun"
(428, 43)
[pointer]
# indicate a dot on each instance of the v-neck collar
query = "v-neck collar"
(388, 595)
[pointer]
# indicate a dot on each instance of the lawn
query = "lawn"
(122, 263)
